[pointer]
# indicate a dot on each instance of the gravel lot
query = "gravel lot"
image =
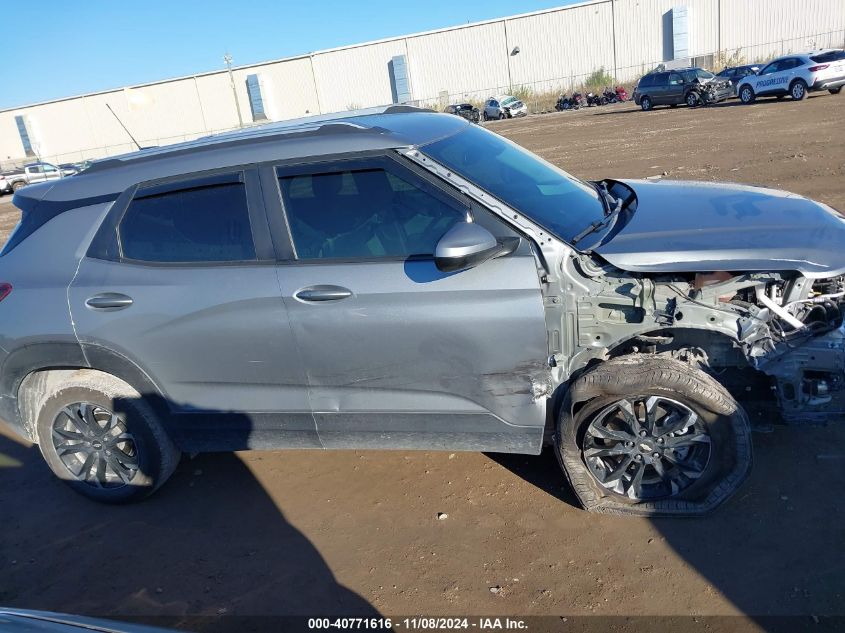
(357, 532)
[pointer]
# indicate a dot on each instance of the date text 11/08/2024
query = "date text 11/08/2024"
(417, 623)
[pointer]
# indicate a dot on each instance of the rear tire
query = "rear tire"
(746, 95)
(18, 185)
(104, 440)
(835, 91)
(668, 469)
(645, 104)
(798, 90)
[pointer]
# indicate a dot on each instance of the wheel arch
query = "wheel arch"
(30, 373)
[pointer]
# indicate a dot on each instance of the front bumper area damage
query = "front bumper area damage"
(786, 326)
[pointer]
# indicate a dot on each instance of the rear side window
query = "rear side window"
(646, 82)
(829, 56)
(201, 224)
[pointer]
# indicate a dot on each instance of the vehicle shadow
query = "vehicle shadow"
(769, 550)
(208, 552)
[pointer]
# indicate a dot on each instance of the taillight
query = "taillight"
(814, 69)
(5, 289)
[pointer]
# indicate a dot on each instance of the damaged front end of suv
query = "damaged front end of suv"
(676, 296)
(734, 276)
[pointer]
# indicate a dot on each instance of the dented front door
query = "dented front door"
(400, 355)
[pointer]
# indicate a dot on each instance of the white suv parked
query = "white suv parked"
(796, 75)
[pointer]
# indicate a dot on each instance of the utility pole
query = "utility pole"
(228, 59)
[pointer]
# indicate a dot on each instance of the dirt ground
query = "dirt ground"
(269, 533)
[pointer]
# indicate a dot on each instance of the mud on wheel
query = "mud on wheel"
(103, 439)
(652, 436)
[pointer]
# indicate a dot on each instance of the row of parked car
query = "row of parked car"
(495, 108)
(40, 171)
(794, 75)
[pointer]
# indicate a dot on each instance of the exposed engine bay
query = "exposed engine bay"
(785, 325)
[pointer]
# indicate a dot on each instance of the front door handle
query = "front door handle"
(109, 301)
(322, 293)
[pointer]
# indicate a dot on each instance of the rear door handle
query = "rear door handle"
(109, 301)
(322, 293)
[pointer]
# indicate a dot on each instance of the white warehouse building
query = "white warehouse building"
(550, 50)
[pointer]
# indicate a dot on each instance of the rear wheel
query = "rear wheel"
(798, 90)
(652, 437)
(104, 440)
(18, 185)
(645, 104)
(835, 91)
(746, 94)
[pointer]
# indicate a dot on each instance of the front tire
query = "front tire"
(692, 100)
(645, 104)
(652, 437)
(798, 90)
(18, 185)
(835, 91)
(746, 95)
(104, 440)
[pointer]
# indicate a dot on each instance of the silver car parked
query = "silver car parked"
(408, 280)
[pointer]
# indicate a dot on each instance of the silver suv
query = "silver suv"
(409, 280)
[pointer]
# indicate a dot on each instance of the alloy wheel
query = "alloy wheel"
(95, 446)
(646, 447)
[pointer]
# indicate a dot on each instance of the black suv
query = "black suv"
(465, 110)
(682, 85)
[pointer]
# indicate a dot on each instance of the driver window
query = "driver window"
(771, 68)
(366, 213)
(675, 79)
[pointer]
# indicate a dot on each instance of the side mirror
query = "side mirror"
(467, 245)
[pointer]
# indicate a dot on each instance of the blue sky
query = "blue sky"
(63, 48)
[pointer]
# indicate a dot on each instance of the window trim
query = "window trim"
(106, 244)
(380, 159)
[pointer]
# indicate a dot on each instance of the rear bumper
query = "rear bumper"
(9, 413)
(829, 82)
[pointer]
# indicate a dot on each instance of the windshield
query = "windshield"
(560, 203)
(508, 100)
(703, 74)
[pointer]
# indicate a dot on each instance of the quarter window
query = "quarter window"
(198, 224)
(365, 213)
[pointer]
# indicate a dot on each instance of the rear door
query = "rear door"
(398, 354)
(34, 173)
(659, 88)
(181, 280)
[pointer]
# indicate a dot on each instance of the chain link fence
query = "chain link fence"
(540, 96)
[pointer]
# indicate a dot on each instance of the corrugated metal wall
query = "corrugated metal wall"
(557, 49)
(561, 45)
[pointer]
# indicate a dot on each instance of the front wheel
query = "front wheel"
(798, 91)
(104, 439)
(645, 104)
(835, 91)
(692, 99)
(18, 185)
(652, 437)
(746, 95)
